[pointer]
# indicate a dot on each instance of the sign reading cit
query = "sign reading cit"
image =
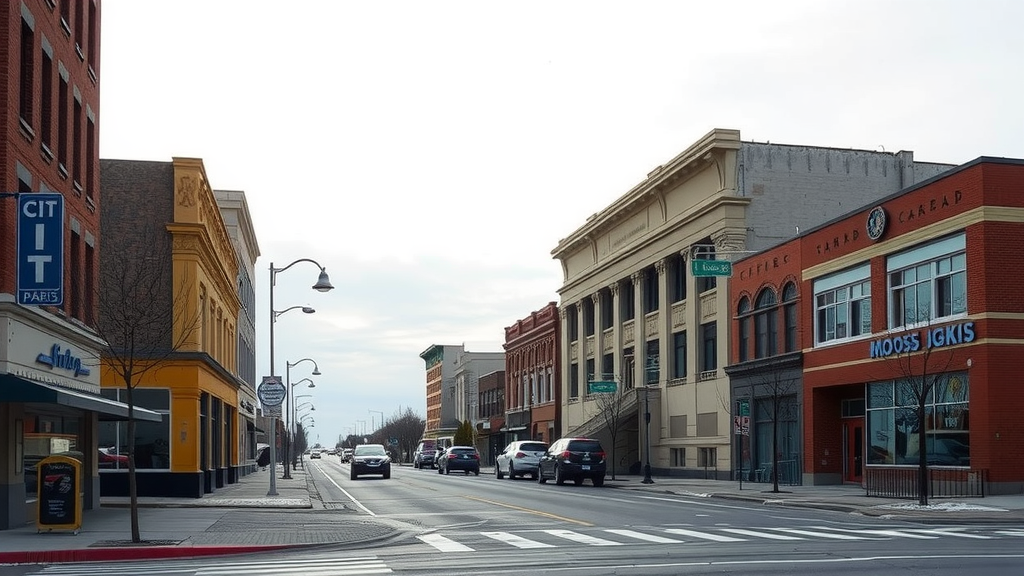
(40, 249)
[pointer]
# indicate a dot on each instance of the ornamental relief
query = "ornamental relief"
(188, 190)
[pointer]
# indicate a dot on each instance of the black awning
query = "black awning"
(17, 389)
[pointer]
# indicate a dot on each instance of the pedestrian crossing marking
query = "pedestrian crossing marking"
(647, 537)
(1018, 533)
(703, 535)
(583, 538)
(894, 533)
(443, 544)
(756, 534)
(515, 540)
(944, 532)
(820, 534)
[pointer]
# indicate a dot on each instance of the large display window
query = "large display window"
(152, 439)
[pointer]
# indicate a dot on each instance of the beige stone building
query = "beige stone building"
(632, 312)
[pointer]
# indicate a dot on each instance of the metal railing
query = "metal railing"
(942, 482)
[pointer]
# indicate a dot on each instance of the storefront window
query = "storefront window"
(893, 426)
(45, 435)
(152, 439)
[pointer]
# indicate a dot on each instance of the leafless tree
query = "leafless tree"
(143, 318)
(610, 408)
(775, 387)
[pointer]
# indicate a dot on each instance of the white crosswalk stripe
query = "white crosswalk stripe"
(646, 537)
(893, 533)
(703, 535)
(323, 565)
(756, 534)
(583, 538)
(515, 540)
(820, 534)
(443, 544)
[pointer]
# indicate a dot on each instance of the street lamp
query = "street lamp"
(647, 434)
(323, 284)
(292, 431)
(372, 412)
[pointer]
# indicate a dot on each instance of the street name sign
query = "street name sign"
(711, 267)
(601, 387)
(41, 249)
(271, 391)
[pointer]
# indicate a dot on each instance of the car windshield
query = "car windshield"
(533, 447)
(370, 450)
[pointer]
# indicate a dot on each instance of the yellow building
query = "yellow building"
(162, 225)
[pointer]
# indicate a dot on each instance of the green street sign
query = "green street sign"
(744, 408)
(711, 268)
(601, 387)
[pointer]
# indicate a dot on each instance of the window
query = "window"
(766, 325)
(650, 290)
(652, 368)
(93, 36)
(76, 143)
(705, 251)
(62, 125)
(789, 313)
(608, 367)
(709, 347)
(678, 457)
(572, 326)
(843, 305)
(574, 380)
(707, 457)
(46, 104)
(27, 72)
(76, 275)
(679, 354)
(590, 372)
(677, 279)
(928, 283)
(745, 320)
(588, 316)
(152, 439)
(90, 156)
(627, 295)
(893, 426)
(607, 309)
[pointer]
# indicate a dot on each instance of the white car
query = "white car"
(519, 458)
(315, 453)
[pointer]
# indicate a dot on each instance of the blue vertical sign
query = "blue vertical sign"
(41, 249)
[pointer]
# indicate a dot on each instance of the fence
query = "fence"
(789, 473)
(942, 483)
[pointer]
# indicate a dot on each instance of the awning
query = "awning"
(17, 389)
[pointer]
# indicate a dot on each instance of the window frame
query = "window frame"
(928, 258)
(846, 288)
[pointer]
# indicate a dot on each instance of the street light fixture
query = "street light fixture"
(292, 430)
(372, 412)
(323, 284)
(647, 435)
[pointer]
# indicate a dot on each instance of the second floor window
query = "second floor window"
(928, 283)
(842, 305)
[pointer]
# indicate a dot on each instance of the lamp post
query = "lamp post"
(647, 436)
(292, 431)
(323, 284)
(372, 412)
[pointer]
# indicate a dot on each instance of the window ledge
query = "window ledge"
(26, 129)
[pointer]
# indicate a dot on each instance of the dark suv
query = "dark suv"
(424, 455)
(573, 459)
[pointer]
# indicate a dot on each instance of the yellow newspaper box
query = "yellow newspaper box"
(59, 499)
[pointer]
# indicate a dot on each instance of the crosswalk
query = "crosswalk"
(320, 565)
(556, 538)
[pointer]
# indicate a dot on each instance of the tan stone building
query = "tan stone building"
(632, 312)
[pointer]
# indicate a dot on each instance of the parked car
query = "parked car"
(109, 458)
(425, 454)
(346, 454)
(370, 459)
(464, 458)
(519, 458)
(573, 459)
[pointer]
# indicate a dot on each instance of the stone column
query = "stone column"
(597, 297)
(639, 330)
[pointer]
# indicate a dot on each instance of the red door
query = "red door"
(853, 459)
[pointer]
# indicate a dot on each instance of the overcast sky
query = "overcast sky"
(431, 154)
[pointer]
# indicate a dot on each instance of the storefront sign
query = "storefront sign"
(63, 360)
(962, 333)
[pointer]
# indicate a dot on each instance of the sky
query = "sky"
(432, 154)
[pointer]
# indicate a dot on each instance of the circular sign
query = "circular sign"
(271, 392)
(876, 222)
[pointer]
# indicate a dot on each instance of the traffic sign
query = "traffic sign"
(271, 391)
(601, 387)
(41, 249)
(711, 267)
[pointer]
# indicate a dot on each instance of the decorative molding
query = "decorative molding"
(660, 266)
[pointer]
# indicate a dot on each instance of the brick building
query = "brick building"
(911, 300)
(533, 382)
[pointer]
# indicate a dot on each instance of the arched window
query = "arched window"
(789, 312)
(766, 324)
(743, 312)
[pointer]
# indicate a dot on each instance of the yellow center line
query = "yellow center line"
(530, 511)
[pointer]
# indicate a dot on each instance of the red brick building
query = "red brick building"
(915, 295)
(533, 385)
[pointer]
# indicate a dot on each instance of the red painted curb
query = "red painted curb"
(128, 553)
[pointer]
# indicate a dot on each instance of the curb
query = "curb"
(130, 553)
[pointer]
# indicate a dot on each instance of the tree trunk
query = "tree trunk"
(775, 445)
(133, 489)
(922, 454)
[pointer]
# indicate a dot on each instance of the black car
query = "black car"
(464, 458)
(370, 459)
(573, 459)
(424, 455)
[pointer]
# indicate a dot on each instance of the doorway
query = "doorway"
(853, 448)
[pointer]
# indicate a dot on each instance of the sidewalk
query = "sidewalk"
(242, 518)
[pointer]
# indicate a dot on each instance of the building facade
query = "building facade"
(165, 214)
(491, 412)
(469, 367)
(49, 378)
(910, 302)
(440, 362)
(533, 388)
(633, 312)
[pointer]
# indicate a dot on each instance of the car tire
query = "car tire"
(476, 472)
(446, 471)
(598, 481)
(353, 476)
(439, 471)
(511, 472)
(559, 479)
(387, 475)
(540, 476)
(497, 471)
(416, 465)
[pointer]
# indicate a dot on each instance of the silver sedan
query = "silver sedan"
(519, 458)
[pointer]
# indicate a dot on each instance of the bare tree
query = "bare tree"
(776, 388)
(144, 319)
(611, 407)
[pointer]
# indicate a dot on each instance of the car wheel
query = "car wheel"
(511, 472)
(533, 476)
(466, 472)
(439, 471)
(476, 472)
(416, 465)
(598, 481)
(387, 475)
(353, 476)
(540, 476)
(559, 479)
(446, 471)
(497, 471)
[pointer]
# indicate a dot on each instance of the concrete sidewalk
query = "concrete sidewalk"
(242, 518)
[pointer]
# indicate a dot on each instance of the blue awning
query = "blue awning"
(17, 389)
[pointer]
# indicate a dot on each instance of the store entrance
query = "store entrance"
(853, 448)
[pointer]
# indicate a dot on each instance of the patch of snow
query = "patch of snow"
(941, 507)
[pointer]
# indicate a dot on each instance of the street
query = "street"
(467, 524)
